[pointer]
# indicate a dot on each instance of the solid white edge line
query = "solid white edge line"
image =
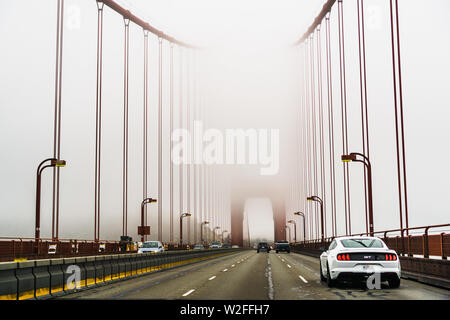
(188, 293)
(303, 279)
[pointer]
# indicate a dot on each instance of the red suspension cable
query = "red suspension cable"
(331, 125)
(98, 122)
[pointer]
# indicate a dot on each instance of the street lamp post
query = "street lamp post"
(304, 226)
(184, 215)
(295, 230)
(201, 230)
(53, 163)
(223, 233)
(216, 228)
(354, 157)
(317, 199)
(289, 231)
(144, 230)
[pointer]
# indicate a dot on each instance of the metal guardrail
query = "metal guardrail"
(47, 278)
(405, 244)
(23, 248)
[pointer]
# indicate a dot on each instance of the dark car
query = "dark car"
(263, 246)
(124, 242)
(226, 245)
(282, 246)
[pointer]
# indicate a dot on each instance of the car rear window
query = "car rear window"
(150, 245)
(362, 243)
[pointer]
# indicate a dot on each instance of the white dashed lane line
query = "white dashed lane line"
(212, 278)
(188, 293)
(303, 279)
(232, 265)
(225, 270)
(289, 266)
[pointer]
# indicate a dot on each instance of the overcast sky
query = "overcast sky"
(250, 79)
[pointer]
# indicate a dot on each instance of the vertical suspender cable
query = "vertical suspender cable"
(321, 130)
(308, 126)
(171, 144)
(398, 105)
(145, 126)
(299, 128)
(188, 164)
(344, 115)
(314, 130)
(160, 131)
(201, 167)
(363, 94)
(125, 126)
(57, 120)
(304, 138)
(195, 217)
(181, 127)
(331, 126)
(98, 121)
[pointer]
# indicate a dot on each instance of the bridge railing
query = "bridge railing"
(16, 248)
(12, 248)
(429, 241)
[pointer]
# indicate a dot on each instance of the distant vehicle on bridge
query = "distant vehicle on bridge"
(151, 246)
(282, 246)
(263, 246)
(215, 245)
(126, 244)
(358, 258)
(226, 245)
(235, 246)
(199, 247)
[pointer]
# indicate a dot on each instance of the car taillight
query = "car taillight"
(391, 257)
(344, 257)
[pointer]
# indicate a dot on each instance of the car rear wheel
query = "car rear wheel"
(394, 283)
(330, 282)
(257, 251)
(322, 278)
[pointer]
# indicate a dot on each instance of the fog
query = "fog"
(248, 77)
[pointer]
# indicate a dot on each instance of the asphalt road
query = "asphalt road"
(248, 275)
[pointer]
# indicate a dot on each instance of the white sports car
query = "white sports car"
(357, 258)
